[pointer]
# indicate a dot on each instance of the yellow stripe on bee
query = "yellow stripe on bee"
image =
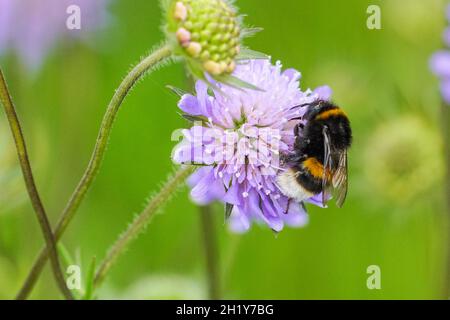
(315, 168)
(330, 113)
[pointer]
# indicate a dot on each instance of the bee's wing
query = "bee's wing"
(327, 164)
(340, 180)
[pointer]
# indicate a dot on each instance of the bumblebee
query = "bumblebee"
(318, 163)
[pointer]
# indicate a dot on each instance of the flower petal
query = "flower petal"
(202, 96)
(317, 200)
(239, 222)
(440, 63)
(296, 216)
(324, 92)
(292, 74)
(201, 193)
(189, 104)
(233, 195)
(198, 175)
(271, 216)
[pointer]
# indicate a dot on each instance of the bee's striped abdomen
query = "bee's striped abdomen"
(313, 167)
(335, 112)
(310, 175)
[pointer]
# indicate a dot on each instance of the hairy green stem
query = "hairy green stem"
(145, 65)
(211, 251)
(33, 193)
(139, 223)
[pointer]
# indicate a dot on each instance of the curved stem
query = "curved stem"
(147, 64)
(33, 193)
(211, 251)
(139, 223)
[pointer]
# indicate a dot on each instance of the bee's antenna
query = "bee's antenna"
(314, 103)
(301, 105)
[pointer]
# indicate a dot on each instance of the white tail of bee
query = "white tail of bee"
(289, 186)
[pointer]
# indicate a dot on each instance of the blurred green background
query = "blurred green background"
(394, 216)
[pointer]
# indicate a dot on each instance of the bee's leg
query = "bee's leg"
(298, 138)
(297, 129)
(298, 141)
(288, 206)
(293, 158)
(284, 158)
(296, 118)
(303, 206)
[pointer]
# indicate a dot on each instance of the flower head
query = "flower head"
(30, 29)
(238, 138)
(440, 63)
(208, 33)
(440, 66)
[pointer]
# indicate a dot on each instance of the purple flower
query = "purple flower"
(31, 28)
(440, 63)
(237, 138)
(440, 66)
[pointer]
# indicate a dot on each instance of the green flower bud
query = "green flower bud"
(208, 34)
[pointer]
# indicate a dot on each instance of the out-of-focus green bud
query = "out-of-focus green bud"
(208, 33)
(404, 159)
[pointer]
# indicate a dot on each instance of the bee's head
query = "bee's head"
(315, 108)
